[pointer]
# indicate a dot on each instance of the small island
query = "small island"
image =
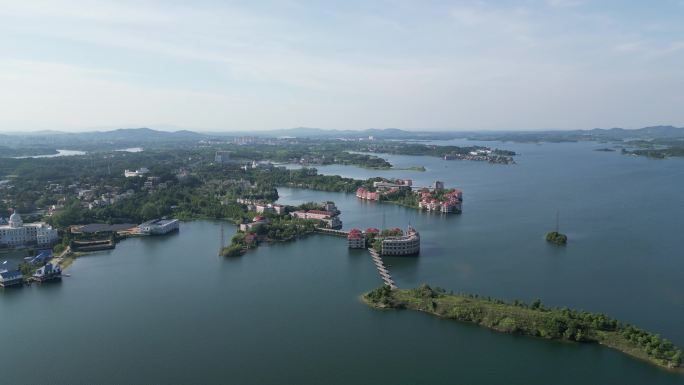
(556, 238)
(532, 320)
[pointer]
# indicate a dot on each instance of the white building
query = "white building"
(159, 226)
(17, 234)
(137, 173)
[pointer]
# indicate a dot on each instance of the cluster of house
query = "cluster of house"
(396, 242)
(88, 197)
(154, 183)
(257, 221)
(481, 155)
(328, 214)
(383, 187)
(262, 165)
(15, 233)
(45, 272)
(261, 207)
(449, 202)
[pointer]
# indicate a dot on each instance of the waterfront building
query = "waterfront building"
(449, 203)
(356, 239)
(11, 278)
(366, 194)
(330, 206)
(136, 173)
(395, 183)
(41, 258)
(256, 222)
(405, 244)
(329, 218)
(17, 233)
(48, 272)
(159, 226)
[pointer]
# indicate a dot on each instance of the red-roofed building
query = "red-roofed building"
(356, 239)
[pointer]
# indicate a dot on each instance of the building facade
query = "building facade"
(159, 226)
(407, 244)
(356, 239)
(17, 234)
(11, 278)
(329, 218)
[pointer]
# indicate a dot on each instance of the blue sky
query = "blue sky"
(253, 65)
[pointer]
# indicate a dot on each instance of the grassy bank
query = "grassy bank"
(532, 320)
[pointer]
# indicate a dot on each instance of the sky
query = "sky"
(418, 65)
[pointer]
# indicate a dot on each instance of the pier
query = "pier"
(382, 270)
(339, 233)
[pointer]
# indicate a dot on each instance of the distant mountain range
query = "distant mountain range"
(134, 137)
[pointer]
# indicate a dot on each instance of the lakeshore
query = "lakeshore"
(504, 257)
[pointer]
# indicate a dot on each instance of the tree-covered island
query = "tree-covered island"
(556, 238)
(532, 320)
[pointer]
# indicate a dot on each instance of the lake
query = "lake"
(168, 310)
(59, 153)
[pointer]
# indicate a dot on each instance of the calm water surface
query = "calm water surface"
(168, 310)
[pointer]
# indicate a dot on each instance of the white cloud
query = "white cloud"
(462, 65)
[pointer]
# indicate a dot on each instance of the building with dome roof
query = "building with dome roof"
(16, 233)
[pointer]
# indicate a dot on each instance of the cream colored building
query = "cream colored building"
(17, 233)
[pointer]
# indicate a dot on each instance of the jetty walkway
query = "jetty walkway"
(325, 230)
(384, 273)
(377, 259)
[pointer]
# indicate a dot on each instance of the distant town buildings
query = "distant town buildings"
(137, 173)
(17, 234)
(222, 157)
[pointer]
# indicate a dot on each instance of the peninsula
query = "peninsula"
(532, 320)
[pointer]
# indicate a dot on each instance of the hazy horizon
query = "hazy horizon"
(451, 66)
(209, 132)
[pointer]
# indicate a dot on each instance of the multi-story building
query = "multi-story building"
(17, 234)
(256, 222)
(356, 239)
(329, 218)
(263, 208)
(363, 193)
(449, 203)
(406, 244)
